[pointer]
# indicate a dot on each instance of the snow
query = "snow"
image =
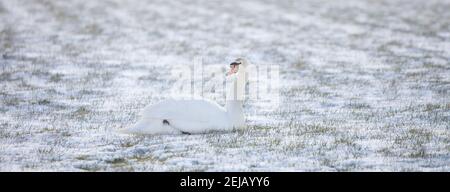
(364, 85)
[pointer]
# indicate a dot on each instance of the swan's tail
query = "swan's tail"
(138, 128)
(146, 126)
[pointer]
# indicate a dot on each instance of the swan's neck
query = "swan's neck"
(235, 97)
(234, 106)
(236, 86)
(235, 112)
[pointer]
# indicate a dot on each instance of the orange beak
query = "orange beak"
(233, 69)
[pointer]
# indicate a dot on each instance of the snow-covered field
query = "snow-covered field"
(364, 84)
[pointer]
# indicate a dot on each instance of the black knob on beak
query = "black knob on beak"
(235, 63)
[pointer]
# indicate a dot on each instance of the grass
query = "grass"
(413, 143)
(81, 112)
(353, 91)
(12, 101)
(55, 78)
(89, 167)
(358, 105)
(314, 129)
(116, 161)
(82, 157)
(432, 107)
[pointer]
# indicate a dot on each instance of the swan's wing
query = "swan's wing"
(189, 115)
(183, 109)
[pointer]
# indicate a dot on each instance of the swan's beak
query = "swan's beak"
(234, 67)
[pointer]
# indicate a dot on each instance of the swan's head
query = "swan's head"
(237, 66)
(236, 80)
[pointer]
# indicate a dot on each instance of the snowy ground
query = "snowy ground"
(365, 84)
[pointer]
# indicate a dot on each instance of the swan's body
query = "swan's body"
(177, 116)
(184, 116)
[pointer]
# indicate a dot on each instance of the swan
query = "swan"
(175, 116)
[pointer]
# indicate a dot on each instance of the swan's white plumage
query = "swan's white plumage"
(192, 116)
(175, 116)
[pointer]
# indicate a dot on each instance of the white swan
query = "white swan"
(197, 116)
